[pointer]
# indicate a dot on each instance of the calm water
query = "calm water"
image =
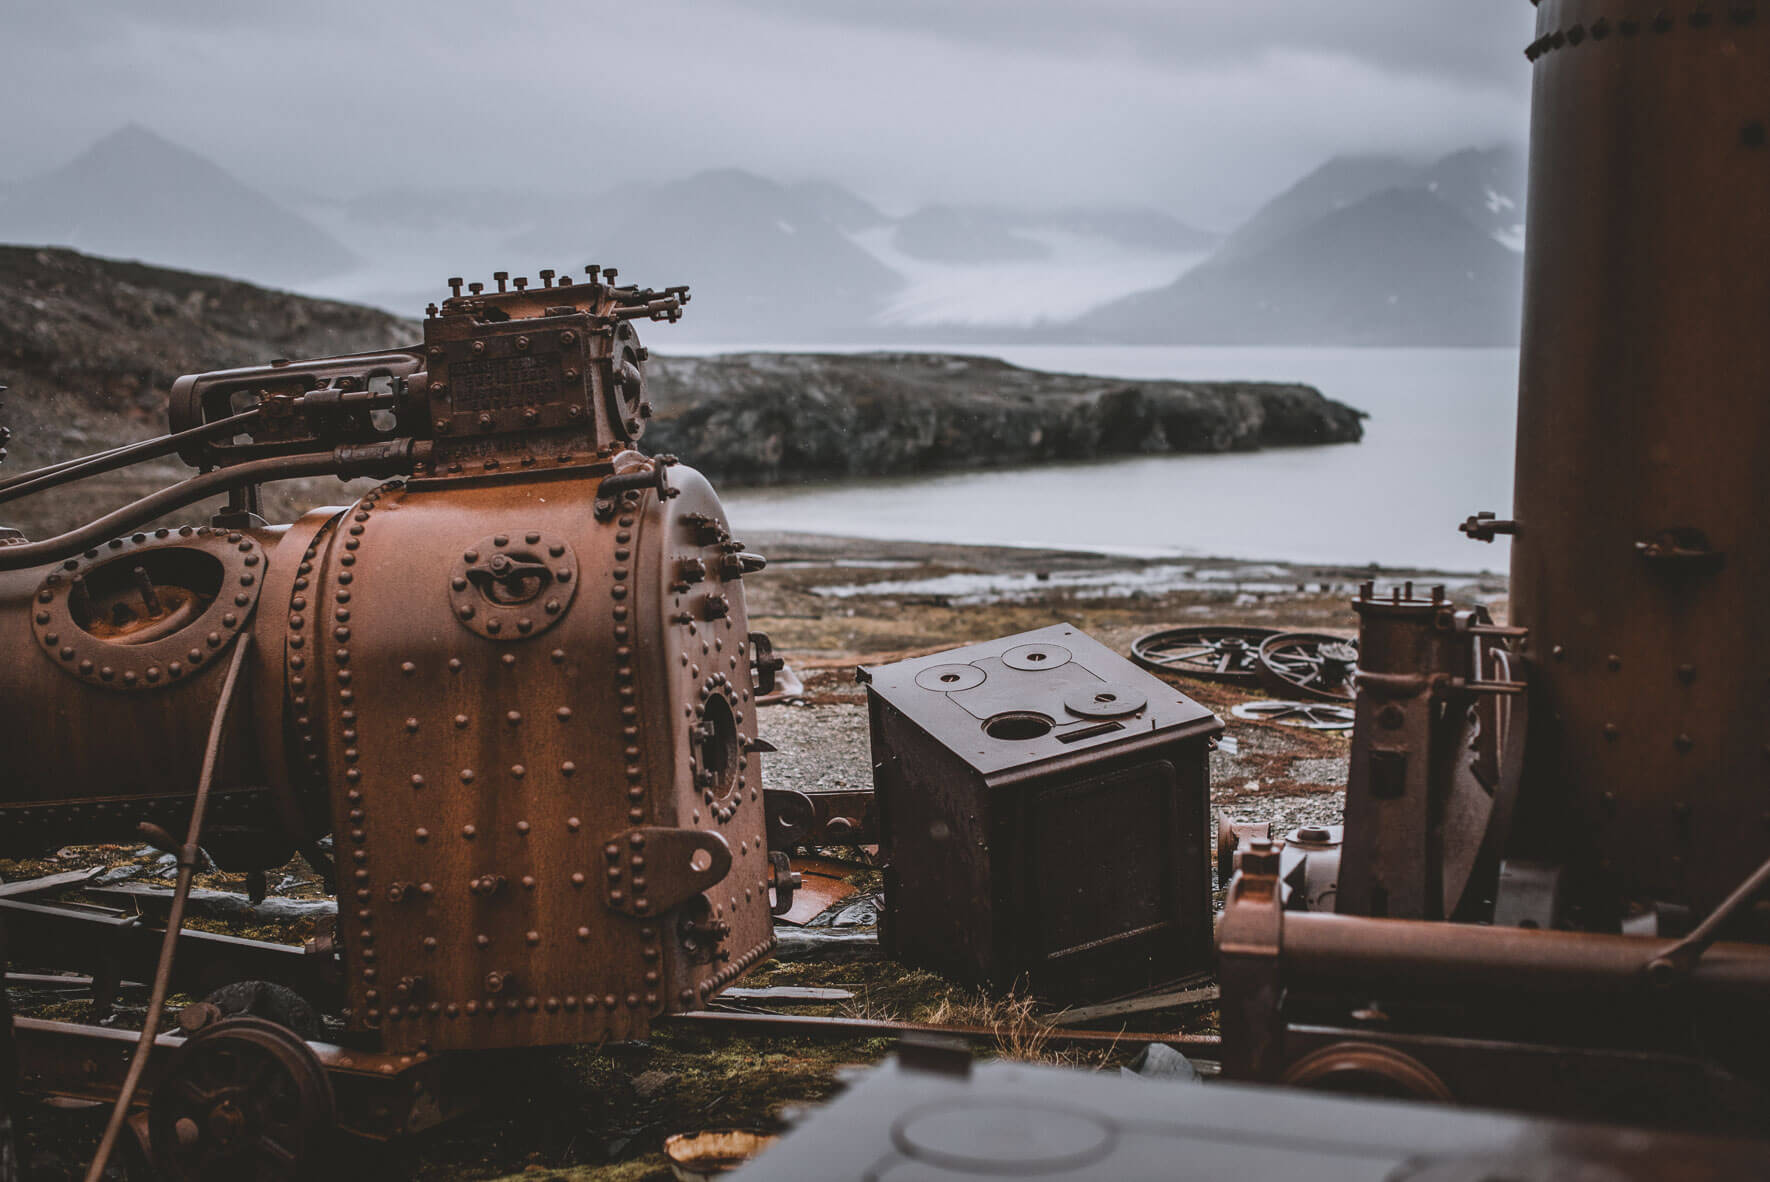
(1437, 447)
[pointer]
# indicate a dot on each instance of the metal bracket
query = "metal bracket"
(653, 869)
(783, 880)
(1484, 526)
(1681, 549)
(764, 662)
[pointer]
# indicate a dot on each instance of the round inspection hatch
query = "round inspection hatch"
(1001, 1140)
(1033, 658)
(511, 586)
(948, 679)
(150, 610)
(1106, 700)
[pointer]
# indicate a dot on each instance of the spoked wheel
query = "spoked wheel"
(1309, 665)
(242, 1098)
(1315, 716)
(1214, 654)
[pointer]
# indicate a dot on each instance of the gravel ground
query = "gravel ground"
(820, 748)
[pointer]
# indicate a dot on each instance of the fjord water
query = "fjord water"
(1437, 447)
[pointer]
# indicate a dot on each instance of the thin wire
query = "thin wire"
(187, 865)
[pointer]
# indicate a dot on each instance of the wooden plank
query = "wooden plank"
(1147, 1003)
(49, 882)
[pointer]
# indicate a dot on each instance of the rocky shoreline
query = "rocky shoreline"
(766, 418)
(91, 348)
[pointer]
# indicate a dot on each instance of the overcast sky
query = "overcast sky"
(1201, 107)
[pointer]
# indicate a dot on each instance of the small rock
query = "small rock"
(649, 1083)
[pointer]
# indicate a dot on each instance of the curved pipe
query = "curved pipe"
(148, 449)
(384, 459)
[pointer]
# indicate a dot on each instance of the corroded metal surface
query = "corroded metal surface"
(1598, 764)
(516, 687)
(1640, 562)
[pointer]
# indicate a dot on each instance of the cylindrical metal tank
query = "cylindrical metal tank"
(1641, 562)
(115, 664)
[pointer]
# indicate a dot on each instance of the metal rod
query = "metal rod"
(120, 457)
(1420, 955)
(187, 868)
(197, 488)
(1683, 957)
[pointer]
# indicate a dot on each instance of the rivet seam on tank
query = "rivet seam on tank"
(1740, 14)
(350, 753)
(626, 868)
(171, 659)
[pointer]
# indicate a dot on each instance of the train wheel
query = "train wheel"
(242, 1098)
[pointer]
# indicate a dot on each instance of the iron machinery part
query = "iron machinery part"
(798, 818)
(1366, 1069)
(384, 459)
(627, 405)
(1641, 564)
(1027, 841)
(1221, 653)
(1315, 716)
(144, 612)
(512, 586)
(564, 833)
(1309, 867)
(1429, 804)
(1312, 665)
(1232, 838)
(242, 1098)
(783, 880)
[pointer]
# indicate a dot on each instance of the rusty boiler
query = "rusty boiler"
(1042, 815)
(514, 682)
(1557, 839)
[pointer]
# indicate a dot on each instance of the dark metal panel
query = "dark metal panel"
(1042, 812)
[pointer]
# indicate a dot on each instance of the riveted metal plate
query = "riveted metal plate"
(91, 618)
(510, 586)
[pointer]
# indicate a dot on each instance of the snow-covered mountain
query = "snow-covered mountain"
(808, 261)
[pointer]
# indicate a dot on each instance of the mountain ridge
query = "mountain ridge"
(136, 194)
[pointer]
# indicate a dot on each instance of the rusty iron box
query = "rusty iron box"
(1043, 808)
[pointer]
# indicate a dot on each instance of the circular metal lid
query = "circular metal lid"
(1106, 700)
(1003, 1140)
(950, 678)
(1035, 657)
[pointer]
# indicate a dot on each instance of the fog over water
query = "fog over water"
(1437, 447)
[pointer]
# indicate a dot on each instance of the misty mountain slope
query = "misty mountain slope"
(763, 263)
(944, 233)
(1401, 268)
(1342, 182)
(993, 234)
(1136, 227)
(136, 195)
(1485, 185)
(842, 208)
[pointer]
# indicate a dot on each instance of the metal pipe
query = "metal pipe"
(1413, 955)
(376, 460)
(119, 457)
(187, 869)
